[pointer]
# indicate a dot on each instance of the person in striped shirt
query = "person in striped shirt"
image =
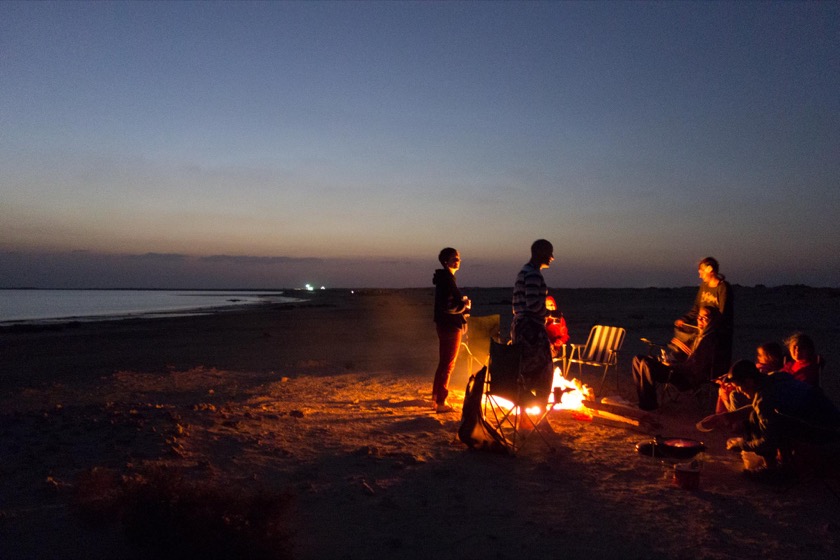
(528, 326)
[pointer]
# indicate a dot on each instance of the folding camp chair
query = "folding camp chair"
(601, 350)
(476, 341)
(510, 406)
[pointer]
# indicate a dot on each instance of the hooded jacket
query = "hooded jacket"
(450, 307)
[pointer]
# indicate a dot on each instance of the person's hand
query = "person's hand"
(679, 323)
(467, 302)
(735, 443)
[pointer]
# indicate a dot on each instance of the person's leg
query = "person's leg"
(449, 342)
(537, 367)
(646, 373)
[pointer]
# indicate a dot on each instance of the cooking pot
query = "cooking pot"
(671, 447)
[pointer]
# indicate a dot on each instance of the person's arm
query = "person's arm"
(456, 303)
(724, 295)
(690, 318)
(727, 420)
(767, 440)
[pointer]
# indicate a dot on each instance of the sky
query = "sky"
(343, 144)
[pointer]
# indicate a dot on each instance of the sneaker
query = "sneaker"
(445, 407)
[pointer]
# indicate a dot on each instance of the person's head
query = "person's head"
(801, 347)
(769, 357)
(450, 258)
(708, 269)
(550, 304)
(707, 317)
(542, 253)
(745, 376)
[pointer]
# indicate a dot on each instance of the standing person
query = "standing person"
(715, 292)
(451, 309)
(528, 327)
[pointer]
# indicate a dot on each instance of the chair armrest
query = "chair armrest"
(575, 348)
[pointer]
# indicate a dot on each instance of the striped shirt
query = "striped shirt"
(529, 293)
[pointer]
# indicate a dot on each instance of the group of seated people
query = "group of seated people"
(774, 404)
(798, 357)
(782, 413)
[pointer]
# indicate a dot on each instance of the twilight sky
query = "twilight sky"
(272, 144)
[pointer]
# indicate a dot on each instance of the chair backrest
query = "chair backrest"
(480, 331)
(503, 370)
(603, 343)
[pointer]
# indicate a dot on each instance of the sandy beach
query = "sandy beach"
(306, 431)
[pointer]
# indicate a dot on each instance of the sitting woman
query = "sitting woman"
(555, 326)
(804, 364)
(701, 362)
(769, 357)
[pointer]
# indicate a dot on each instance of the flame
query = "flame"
(572, 397)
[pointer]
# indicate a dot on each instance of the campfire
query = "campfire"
(568, 394)
(576, 399)
(565, 395)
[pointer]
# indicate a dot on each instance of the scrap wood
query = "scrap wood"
(619, 409)
(623, 414)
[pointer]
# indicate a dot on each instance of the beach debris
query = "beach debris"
(368, 489)
(367, 450)
(296, 413)
(55, 484)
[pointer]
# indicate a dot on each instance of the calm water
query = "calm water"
(46, 305)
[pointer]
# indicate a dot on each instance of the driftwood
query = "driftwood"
(623, 414)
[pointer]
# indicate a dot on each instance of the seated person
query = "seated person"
(701, 361)
(782, 412)
(714, 291)
(804, 364)
(769, 357)
(555, 326)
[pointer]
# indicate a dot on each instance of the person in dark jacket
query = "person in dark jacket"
(697, 367)
(451, 310)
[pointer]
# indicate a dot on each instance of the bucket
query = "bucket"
(687, 476)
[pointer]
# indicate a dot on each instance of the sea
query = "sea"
(43, 306)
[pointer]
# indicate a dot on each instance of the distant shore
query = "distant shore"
(401, 319)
